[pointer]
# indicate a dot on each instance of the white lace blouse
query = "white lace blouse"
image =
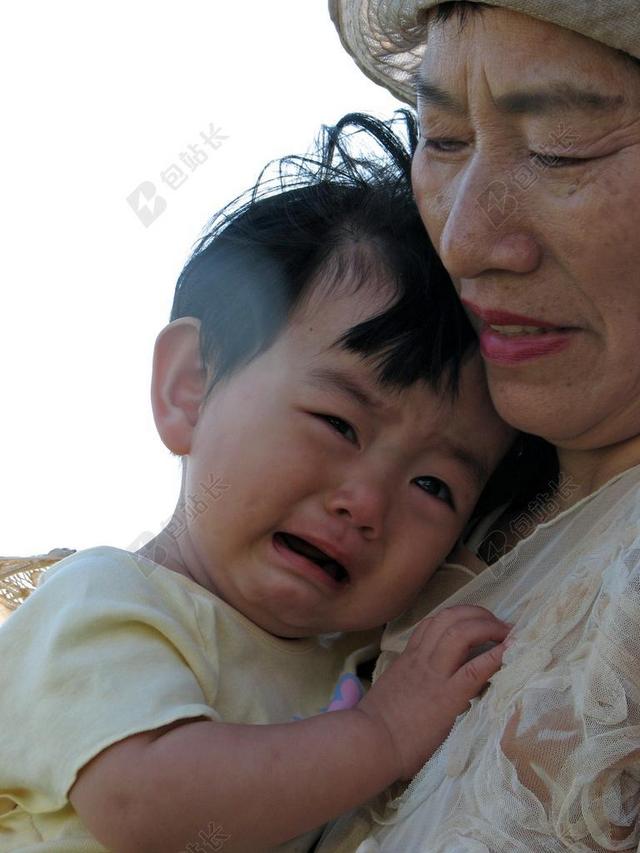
(548, 758)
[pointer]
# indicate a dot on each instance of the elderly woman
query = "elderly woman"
(527, 175)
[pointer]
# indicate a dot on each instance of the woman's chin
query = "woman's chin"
(544, 411)
(572, 418)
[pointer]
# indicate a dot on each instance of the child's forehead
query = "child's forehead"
(320, 325)
(334, 294)
(356, 378)
(342, 373)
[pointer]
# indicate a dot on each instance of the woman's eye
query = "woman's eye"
(553, 161)
(342, 427)
(442, 146)
(436, 487)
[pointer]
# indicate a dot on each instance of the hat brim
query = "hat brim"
(387, 38)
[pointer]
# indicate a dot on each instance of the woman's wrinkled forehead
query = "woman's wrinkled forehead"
(523, 65)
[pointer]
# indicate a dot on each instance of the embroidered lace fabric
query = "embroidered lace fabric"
(548, 758)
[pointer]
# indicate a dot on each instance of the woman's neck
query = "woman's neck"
(585, 471)
(581, 473)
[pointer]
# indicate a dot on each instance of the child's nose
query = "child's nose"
(364, 503)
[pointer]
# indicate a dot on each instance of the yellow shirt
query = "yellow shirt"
(112, 644)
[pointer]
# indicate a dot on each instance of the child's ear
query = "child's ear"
(178, 384)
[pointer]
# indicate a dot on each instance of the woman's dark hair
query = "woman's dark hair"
(464, 8)
(461, 8)
(343, 213)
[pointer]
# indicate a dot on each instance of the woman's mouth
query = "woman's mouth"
(513, 345)
(511, 339)
(517, 331)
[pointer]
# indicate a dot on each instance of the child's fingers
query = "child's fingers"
(432, 627)
(456, 642)
(473, 675)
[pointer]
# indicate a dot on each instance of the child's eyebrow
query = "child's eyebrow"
(334, 379)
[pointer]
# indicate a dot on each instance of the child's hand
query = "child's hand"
(418, 697)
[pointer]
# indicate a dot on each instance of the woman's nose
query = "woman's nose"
(487, 226)
(362, 503)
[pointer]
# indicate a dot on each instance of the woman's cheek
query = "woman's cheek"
(434, 192)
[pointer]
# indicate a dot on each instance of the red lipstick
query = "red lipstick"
(511, 345)
(495, 317)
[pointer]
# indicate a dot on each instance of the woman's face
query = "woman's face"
(527, 176)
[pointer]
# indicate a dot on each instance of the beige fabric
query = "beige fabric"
(548, 759)
(386, 37)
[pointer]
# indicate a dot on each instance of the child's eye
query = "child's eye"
(342, 427)
(436, 487)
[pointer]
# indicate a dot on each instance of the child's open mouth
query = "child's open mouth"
(301, 546)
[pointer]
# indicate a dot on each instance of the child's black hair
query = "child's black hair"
(345, 212)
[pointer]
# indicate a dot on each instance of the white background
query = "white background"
(96, 99)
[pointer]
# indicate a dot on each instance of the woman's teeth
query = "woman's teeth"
(515, 331)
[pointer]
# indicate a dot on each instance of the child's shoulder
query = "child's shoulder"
(99, 564)
(102, 578)
(104, 594)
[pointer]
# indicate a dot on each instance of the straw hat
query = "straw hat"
(387, 37)
(19, 576)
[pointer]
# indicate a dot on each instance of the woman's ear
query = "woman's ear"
(178, 383)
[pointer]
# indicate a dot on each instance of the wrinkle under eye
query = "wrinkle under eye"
(552, 161)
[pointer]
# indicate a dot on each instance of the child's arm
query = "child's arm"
(261, 785)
